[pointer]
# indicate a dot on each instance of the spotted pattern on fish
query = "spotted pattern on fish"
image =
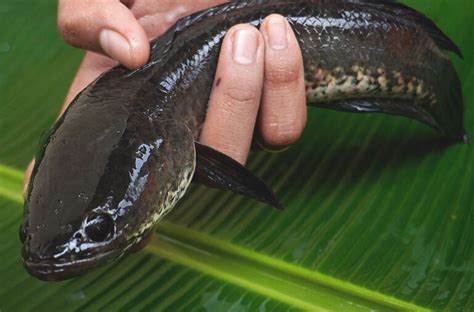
(323, 85)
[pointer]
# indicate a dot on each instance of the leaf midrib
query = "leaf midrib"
(282, 281)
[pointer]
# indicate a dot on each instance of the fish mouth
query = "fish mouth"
(52, 270)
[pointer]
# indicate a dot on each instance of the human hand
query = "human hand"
(269, 60)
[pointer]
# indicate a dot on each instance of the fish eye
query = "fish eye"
(99, 227)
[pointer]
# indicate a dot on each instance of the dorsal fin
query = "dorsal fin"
(418, 19)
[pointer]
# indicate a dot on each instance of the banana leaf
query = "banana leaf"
(379, 209)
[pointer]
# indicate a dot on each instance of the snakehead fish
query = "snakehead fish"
(125, 151)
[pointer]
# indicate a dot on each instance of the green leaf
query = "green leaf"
(379, 209)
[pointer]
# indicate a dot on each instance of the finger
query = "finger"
(282, 115)
(235, 99)
(107, 27)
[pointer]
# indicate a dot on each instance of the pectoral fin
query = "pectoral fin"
(215, 169)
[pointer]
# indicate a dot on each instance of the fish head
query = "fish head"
(98, 190)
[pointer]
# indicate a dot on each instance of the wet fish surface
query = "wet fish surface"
(125, 151)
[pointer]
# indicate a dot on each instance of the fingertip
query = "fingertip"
(247, 44)
(115, 45)
(279, 135)
(138, 41)
(139, 49)
(106, 27)
(132, 51)
(275, 30)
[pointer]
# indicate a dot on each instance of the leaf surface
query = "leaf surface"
(379, 209)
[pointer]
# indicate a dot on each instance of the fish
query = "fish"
(126, 150)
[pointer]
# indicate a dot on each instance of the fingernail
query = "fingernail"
(114, 44)
(245, 45)
(276, 29)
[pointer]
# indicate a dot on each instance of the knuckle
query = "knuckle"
(241, 94)
(283, 71)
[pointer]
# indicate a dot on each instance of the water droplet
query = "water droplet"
(60, 202)
(66, 227)
(83, 196)
(56, 211)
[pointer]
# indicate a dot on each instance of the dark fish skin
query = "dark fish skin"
(123, 153)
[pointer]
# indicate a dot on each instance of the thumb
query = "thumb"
(106, 27)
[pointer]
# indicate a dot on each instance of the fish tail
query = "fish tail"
(413, 17)
(449, 107)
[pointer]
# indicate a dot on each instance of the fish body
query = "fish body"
(125, 151)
